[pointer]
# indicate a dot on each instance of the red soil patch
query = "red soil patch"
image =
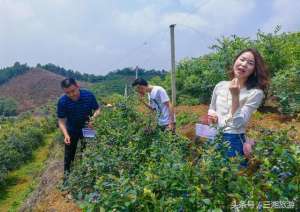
(35, 88)
(266, 120)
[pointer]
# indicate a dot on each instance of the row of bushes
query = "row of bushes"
(133, 166)
(18, 138)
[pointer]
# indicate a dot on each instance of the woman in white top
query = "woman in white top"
(234, 101)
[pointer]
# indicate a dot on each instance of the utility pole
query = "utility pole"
(125, 91)
(173, 74)
(136, 72)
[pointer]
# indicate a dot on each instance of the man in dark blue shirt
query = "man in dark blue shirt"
(74, 109)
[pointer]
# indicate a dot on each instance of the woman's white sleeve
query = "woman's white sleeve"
(212, 106)
(242, 116)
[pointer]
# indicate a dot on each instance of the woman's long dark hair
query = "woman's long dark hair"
(260, 76)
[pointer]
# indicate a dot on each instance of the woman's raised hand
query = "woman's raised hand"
(234, 87)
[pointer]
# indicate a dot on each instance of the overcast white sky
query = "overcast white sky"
(97, 36)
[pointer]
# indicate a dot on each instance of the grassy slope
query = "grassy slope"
(21, 182)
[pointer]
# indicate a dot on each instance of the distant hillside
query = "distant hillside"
(70, 73)
(32, 89)
(116, 81)
(113, 75)
(113, 82)
(130, 73)
(9, 72)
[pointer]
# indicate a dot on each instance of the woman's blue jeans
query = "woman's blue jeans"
(236, 142)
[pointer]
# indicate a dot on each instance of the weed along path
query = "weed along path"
(27, 187)
(21, 182)
(47, 196)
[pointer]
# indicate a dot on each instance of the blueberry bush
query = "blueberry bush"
(19, 137)
(133, 166)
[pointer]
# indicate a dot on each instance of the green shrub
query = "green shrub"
(286, 87)
(186, 118)
(18, 139)
(133, 166)
(8, 107)
(197, 77)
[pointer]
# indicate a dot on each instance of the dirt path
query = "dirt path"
(47, 196)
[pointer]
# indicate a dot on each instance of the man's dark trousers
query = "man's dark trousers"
(70, 150)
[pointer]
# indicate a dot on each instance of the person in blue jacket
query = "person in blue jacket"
(74, 109)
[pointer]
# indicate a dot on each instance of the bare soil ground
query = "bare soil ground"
(47, 196)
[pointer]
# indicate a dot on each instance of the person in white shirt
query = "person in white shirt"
(233, 102)
(159, 101)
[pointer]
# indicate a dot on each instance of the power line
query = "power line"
(148, 42)
(151, 53)
(195, 30)
(135, 50)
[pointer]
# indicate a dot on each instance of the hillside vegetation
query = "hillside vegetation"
(196, 77)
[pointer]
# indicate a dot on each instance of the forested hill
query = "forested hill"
(24, 88)
(117, 74)
(27, 91)
(9, 72)
(112, 83)
(17, 69)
